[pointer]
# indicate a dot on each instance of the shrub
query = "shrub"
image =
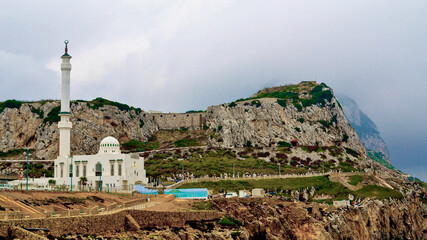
(186, 142)
(297, 105)
(52, 116)
(219, 128)
(256, 103)
(352, 152)
(312, 148)
(229, 221)
(281, 102)
(233, 104)
(195, 111)
(345, 137)
(284, 144)
(297, 129)
(10, 104)
(141, 123)
(306, 149)
(38, 112)
(248, 144)
(301, 120)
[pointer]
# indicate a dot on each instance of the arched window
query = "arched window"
(98, 168)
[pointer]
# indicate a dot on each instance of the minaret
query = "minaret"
(65, 125)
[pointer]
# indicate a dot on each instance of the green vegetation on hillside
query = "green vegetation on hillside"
(38, 112)
(139, 146)
(100, 102)
(186, 142)
(378, 192)
(378, 157)
(218, 161)
(355, 179)
(12, 152)
(322, 185)
(38, 170)
(52, 116)
(195, 111)
(10, 104)
(300, 95)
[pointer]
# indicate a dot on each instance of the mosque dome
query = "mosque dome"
(109, 145)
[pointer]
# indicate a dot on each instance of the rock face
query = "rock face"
(22, 127)
(264, 122)
(364, 126)
(275, 219)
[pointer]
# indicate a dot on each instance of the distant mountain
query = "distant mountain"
(367, 131)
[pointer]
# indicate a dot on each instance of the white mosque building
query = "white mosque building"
(108, 169)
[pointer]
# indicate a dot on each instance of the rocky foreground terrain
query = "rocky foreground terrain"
(267, 218)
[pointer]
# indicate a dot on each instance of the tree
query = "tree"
(52, 183)
(83, 181)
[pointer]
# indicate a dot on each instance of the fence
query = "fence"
(252, 177)
(100, 209)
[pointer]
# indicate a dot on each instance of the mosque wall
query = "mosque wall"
(169, 121)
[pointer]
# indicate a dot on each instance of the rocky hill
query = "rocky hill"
(367, 131)
(307, 113)
(35, 125)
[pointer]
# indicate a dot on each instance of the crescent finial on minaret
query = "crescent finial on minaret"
(66, 46)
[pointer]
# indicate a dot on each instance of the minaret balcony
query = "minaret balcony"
(64, 114)
(65, 125)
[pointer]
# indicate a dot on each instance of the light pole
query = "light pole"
(279, 168)
(26, 188)
(100, 174)
(71, 173)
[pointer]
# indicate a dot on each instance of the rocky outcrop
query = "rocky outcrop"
(264, 122)
(23, 127)
(364, 126)
(275, 219)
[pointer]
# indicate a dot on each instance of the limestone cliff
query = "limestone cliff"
(306, 112)
(365, 128)
(31, 125)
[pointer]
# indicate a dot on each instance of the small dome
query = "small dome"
(109, 145)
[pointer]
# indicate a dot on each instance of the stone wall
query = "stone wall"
(169, 121)
(109, 223)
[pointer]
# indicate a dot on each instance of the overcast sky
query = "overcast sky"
(184, 55)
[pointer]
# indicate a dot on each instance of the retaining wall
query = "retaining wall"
(169, 121)
(110, 223)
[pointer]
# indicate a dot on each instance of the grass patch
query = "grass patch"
(100, 102)
(229, 221)
(355, 179)
(186, 142)
(378, 192)
(205, 205)
(140, 146)
(379, 157)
